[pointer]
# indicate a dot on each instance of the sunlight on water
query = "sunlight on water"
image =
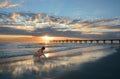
(55, 63)
(61, 63)
(47, 55)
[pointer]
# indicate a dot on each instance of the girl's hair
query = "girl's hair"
(43, 47)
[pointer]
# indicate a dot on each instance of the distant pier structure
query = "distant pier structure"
(90, 41)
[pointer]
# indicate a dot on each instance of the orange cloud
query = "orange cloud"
(4, 4)
(13, 16)
(36, 18)
(7, 4)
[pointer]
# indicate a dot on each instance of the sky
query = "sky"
(60, 18)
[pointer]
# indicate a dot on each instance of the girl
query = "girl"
(41, 52)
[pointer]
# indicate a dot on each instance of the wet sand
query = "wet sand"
(92, 62)
(105, 68)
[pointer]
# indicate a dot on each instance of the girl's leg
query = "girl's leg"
(39, 56)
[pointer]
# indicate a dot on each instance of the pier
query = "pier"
(90, 41)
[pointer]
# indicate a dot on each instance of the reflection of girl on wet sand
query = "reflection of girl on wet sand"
(41, 52)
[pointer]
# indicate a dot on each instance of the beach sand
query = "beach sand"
(105, 68)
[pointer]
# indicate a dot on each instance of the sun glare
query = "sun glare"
(47, 55)
(46, 39)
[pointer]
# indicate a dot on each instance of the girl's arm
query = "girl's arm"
(44, 55)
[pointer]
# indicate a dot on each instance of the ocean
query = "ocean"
(63, 61)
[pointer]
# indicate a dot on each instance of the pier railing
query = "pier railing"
(91, 41)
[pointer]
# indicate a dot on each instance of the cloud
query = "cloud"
(39, 32)
(38, 24)
(4, 3)
(12, 5)
(8, 4)
(13, 16)
(95, 25)
(36, 17)
(13, 31)
(112, 35)
(54, 32)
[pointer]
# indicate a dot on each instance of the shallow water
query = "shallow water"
(61, 58)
